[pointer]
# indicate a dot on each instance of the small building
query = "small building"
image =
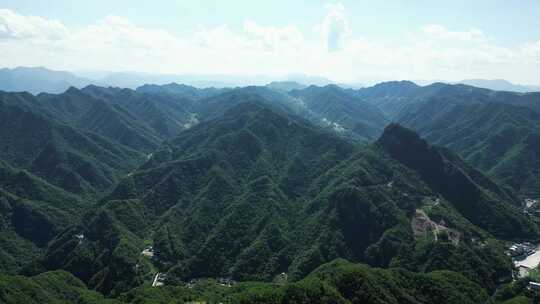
(80, 237)
(159, 279)
(534, 286)
(530, 203)
(515, 250)
(148, 251)
(521, 249)
(523, 271)
(228, 282)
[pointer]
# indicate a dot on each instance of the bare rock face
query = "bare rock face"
(422, 226)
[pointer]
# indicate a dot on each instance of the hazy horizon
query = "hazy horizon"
(100, 77)
(344, 41)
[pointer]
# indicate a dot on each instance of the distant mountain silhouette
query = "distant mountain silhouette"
(286, 85)
(500, 85)
(38, 80)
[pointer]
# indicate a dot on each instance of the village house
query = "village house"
(148, 251)
(534, 286)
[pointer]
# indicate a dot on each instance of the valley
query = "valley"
(173, 192)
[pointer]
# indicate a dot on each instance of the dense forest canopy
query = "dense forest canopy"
(285, 193)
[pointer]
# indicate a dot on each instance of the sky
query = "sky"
(347, 41)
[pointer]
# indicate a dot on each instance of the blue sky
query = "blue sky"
(342, 40)
(507, 21)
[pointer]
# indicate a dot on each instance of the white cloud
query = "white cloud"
(116, 43)
(335, 28)
(120, 33)
(533, 51)
(273, 38)
(440, 32)
(15, 26)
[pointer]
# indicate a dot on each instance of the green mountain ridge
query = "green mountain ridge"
(258, 192)
(343, 111)
(499, 139)
(80, 162)
(336, 282)
(32, 213)
(467, 189)
(250, 183)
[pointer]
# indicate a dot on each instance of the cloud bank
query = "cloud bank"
(332, 50)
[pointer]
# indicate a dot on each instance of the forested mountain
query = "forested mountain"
(466, 188)
(261, 183)
(502, 140)
(78, 161)
(182, 90)
(330, 107)
(494, 131)
(32, 213)
(342, 111)
(47, 288)
(286, 86)
(391, 97)
(102, 117)
(330, 283)
(257, 192)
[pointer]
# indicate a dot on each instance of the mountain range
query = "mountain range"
(500, 85)
(38, 80)
(42, 80)
(395, 193)
(227, 197)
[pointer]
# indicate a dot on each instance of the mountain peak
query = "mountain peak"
(397, 84)
(410, 149)
(396, 135)
(286, 85)
(391, 88)
(72, 90)
(313, 89)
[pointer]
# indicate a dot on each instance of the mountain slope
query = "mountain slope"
(467, 189)
(186, 91)
(244, 183)
(80, 162)
(56, 287)
(32, 212)
(395, 96)
(330, 107)
(87, 111)
(342, 111)
(336, 282)
(257, 192)
(499, 139)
